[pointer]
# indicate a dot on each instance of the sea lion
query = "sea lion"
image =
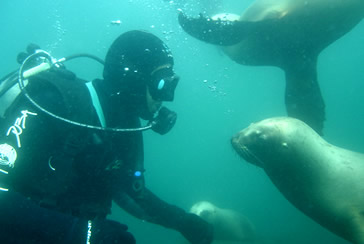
(289, 34)
(229, 226)
(323, 181)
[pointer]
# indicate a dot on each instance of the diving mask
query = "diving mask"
(162, 85)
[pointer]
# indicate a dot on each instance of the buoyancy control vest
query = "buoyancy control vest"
(46, 168)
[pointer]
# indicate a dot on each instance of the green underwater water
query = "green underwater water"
(214, 99)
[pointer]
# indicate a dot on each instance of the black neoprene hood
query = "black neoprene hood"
(135, 53)
(130, 68)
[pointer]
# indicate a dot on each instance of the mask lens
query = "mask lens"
(163, 84)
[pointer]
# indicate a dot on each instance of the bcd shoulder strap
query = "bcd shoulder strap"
(75, 95)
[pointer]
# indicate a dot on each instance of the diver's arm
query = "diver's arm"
(127, 203)
(149, 207)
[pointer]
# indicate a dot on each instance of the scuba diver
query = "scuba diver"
(69, 147)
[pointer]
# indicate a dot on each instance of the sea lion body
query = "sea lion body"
(230, 227)
(293, 28)
(289, 34)
(323, 181)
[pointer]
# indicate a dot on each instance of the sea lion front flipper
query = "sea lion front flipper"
(218, 32)
(304, 100)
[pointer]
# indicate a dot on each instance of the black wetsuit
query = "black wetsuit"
(76, 172)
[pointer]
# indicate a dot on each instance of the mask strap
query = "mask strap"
(165, 66)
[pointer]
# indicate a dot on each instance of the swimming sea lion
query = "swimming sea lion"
(289, 34)
(229, 226)
(323, 181)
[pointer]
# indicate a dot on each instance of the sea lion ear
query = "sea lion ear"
(222, 32)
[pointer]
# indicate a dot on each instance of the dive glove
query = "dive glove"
(31, 49)
(196, 230)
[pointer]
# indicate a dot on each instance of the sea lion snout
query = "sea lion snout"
(248, 142)
(250, 135)
(229, 226)
(262, 139)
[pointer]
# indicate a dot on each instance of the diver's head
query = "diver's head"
(139, 67)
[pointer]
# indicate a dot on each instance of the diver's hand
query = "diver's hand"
(165, 121)
(196, 230)
(110, 232)
(31, 49)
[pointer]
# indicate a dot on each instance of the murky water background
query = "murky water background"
(215, 98)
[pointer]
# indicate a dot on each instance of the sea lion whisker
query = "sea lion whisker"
(250, 155)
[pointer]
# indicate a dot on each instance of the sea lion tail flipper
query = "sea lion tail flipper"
(218, 32)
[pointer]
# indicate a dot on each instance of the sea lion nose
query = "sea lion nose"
(235, 139)
(236, 142)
